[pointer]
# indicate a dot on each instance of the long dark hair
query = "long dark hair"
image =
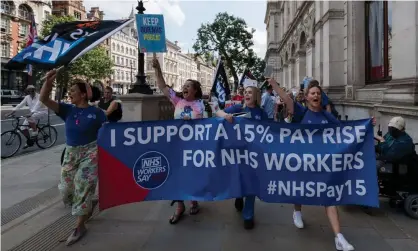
(96, 94)
(198, 87)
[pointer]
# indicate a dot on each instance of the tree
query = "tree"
(229, 36)
(95, 64)
(257, 69)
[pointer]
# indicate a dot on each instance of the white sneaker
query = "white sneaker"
(342, 244)
(297, 219)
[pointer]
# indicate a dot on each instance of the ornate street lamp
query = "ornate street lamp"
(140, 85)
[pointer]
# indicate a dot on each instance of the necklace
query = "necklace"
(77, 121)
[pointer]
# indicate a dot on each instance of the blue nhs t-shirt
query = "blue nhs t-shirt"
(256, 112)
(305, 116)
(81, 124)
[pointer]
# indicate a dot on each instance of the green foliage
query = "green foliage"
(229, 36)
(51, 21)
(257, 67)
(93, 65)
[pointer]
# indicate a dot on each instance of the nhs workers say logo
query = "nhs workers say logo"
(151, 170)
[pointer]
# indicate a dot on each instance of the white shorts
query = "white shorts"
(33, 119)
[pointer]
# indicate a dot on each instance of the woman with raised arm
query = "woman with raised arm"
(251, 106)
(189, 106)
(313, 113)
(79, 168)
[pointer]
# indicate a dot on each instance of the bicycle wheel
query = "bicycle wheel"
(8, 140)
(47, 136)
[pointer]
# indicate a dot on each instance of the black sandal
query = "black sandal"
(194, 209)
(176, 217)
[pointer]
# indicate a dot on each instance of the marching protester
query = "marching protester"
(252, 105)
(267, 102)
(112, 107)
(189, 106)
(37, 112)
(314, 113)
(80, 166)
(240, 95)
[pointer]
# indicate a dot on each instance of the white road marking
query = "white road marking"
(58, 124)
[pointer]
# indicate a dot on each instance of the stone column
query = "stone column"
(333, 46)
(317, 74)
(292, 72)
(310, 57)
(280, 75)
(285, 75)
(300, 67)
(355, 47)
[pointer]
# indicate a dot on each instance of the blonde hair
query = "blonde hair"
(256, 95)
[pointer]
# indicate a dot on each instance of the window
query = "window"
(23, 29)
(117, 60)
(5, 24)
(378, 40)
(5, 49)
(46, 14)
(77, 15)
(114, 59)
(6, 7)
(24, 12)
(113, 46)
(118, 48)
(127, 75)
(122, 49)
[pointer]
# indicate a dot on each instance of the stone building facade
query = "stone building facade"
(124, 53)
(177, 67)
(74, 8)
(363, 53)
(15, 26)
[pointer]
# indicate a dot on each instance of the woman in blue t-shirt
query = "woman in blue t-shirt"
(251, 106)
(79, 168)
(313, 113)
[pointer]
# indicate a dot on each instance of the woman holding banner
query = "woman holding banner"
(79, 168)
(189, 106)
(313, 113)
(251, 106)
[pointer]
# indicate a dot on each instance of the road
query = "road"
(6, 124)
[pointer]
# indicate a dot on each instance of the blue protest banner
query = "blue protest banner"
(151, 32)
(211, 159)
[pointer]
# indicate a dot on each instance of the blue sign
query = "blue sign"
(212, 159)
(151, 33)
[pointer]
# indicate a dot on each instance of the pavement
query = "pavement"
(7, 124)
(34, 218)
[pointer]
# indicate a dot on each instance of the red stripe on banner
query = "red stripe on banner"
(116, 183)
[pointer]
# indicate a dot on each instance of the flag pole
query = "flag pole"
(58, 69)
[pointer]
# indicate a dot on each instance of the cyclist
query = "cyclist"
(112, 107)
(37, 112)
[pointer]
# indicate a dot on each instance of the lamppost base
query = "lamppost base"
(141, 86)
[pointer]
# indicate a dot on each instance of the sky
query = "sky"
(183, 17)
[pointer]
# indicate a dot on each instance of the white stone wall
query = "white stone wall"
(333, 52)
(124, 53)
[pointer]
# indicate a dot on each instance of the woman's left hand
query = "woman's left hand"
(373, 121)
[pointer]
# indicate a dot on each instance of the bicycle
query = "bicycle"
(45, 133)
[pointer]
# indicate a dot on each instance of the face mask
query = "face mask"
(394, 132)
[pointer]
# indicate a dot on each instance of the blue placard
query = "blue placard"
(211, 159)
(151, 33)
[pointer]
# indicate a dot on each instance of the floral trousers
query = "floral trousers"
(79, 177)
